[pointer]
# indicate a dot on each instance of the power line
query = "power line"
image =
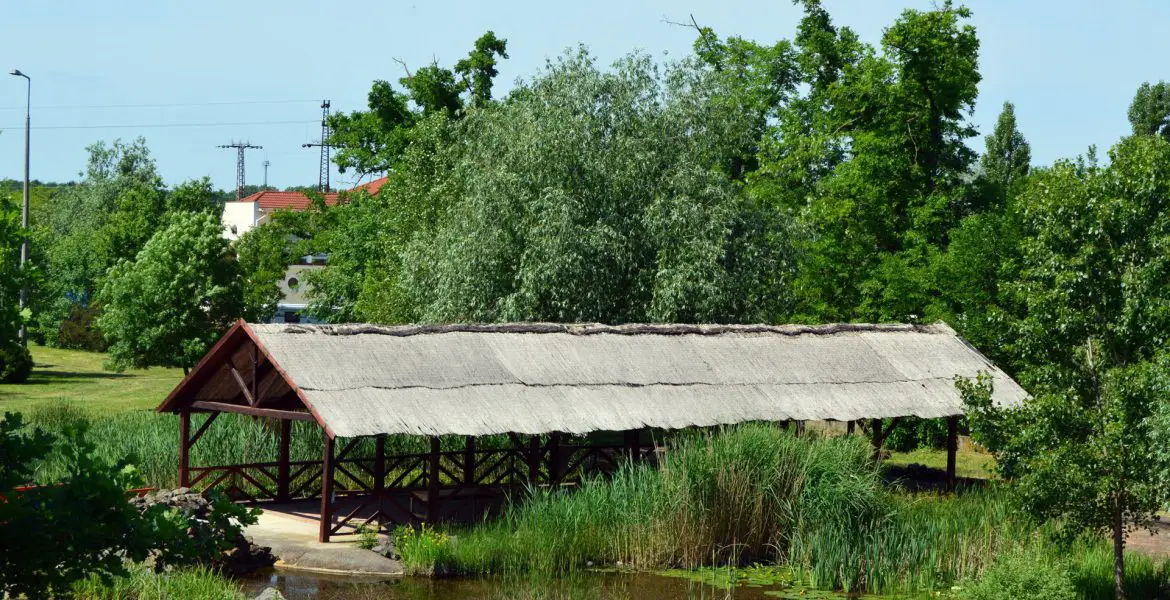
(160, 105)
(162, 125)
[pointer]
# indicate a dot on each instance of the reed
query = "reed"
(143, 584)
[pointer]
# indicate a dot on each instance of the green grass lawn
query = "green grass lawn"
(78, 377)
(967, 463)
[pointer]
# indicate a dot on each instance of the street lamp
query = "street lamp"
(24, 207)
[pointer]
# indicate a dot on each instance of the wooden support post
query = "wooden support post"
(433, 483)
(631, 441)
(282, 472)
(326, 491)
(849, 427)
(379, 464)
(534, 460)
(952, 449)
(184, 447)
(469, 461)
(255, 375)
(800, 427)
(554, 458)
(878, 437)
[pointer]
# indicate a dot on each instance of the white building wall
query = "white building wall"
(238, 218)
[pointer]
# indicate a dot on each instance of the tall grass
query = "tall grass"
(143, 584)
(752, 493)
(756, 493)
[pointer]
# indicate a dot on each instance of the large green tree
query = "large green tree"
(15, 361)
(1090, 344)
(872, 156)
(1149, 114)
(180, 293)
(1008, 156)
(588, 195)
(373, 140)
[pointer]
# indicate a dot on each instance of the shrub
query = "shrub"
(79, 331)
(16, 363)
(189, 529)
(55, 535)
(1022, 575)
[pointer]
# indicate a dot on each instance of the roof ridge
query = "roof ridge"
(600, 328)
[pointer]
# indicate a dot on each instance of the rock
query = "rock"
(270, 594)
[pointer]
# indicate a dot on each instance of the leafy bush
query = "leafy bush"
(54, 535)
(1022, 576)
(79, 331)
(189, 529)
(16, 363)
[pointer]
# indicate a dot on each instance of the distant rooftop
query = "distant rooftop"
(299, 201)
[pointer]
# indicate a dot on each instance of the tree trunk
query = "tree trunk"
(1118, 550)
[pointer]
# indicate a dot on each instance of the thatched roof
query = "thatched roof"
(535, 378)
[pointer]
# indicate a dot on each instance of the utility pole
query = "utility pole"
(266, 163)
(323, 175)
(240, 147)
(24, 206)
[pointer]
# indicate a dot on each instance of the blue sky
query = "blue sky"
(1071, 66)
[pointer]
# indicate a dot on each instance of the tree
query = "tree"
(1149, 114)
(169, 305)
(872, 157)
(15, 360)
(374, 140)
(478, 70)
(264, 254)
(84, 229)
(1008, 156)
(1090, 344)
(195, 195)
(578, 199)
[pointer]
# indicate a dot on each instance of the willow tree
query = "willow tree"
(604, 195)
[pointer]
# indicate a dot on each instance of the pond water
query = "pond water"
(591, 586)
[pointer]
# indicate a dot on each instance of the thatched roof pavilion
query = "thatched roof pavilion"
(548, 379)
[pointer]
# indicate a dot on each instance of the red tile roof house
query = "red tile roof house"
(241, 216)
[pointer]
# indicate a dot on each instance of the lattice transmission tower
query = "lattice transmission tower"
(240, 147)
(323, 143)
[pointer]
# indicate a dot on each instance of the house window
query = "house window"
(292, 316)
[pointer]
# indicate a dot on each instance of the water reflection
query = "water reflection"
(596, 586)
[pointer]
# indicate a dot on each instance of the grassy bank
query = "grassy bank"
(78, 377)
(144, 584)
(757, 494)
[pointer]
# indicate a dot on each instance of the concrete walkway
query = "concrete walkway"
(291, 532)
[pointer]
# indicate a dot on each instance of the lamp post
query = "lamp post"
(24, 207)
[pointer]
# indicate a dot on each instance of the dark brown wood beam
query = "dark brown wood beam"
(283, 479)
(326, 492)
(952, 450)
(433, 489)
(184, 446)
(253, 411)
(202, 428)
(241, 384)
